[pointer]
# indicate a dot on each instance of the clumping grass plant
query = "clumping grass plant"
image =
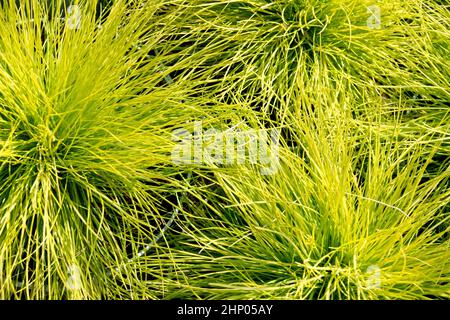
(272, 51)
(86, 121)
(348, 215)
(96, 97)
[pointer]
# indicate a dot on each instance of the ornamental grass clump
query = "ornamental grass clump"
(348, 215)
(271, 51)
(86, 118)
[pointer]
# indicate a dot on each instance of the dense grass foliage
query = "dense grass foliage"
(95, 96)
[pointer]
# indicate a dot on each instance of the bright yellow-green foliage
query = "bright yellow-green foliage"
(95, 95)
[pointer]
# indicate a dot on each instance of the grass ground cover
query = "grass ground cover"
(347, 103)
